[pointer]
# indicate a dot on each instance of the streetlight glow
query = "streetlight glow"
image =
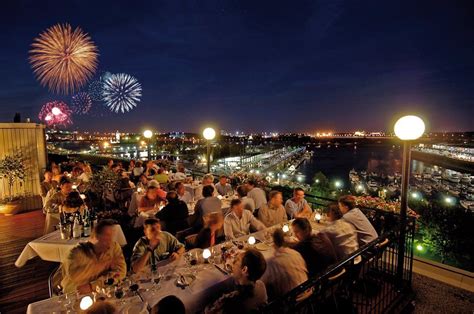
(209, 134)
(409, 128)
(147, 134)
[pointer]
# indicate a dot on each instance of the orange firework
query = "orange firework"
(63, 59)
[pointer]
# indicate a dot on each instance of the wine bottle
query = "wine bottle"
(87, 223)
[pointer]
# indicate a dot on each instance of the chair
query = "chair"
(190, 241)
(54, 281)
(181, 235)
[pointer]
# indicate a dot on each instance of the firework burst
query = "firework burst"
(81, 103)
(121, 92)
(96, 89)
(63, 59)
(55, 113)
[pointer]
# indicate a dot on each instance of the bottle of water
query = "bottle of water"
(76, 228)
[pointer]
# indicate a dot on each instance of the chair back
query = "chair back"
(54, 281)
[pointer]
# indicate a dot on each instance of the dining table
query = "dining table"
(51, 247)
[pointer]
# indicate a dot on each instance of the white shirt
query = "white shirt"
(248, 203)
(365, 231)
(286, 269)
(258, 196)
(343, 236)
(186, 197)
(223, 189)
(235, 227)
(292, 207)
(179, 176)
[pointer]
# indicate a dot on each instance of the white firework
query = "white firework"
(121, 92)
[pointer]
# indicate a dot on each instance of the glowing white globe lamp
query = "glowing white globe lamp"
(409, 128)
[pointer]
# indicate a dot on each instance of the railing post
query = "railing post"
(403, 211)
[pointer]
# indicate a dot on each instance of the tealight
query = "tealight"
(206, 253)
(317, 217)
(86, 302)
(251, 240)
(285, 228)
(74, 187)
(83, 196)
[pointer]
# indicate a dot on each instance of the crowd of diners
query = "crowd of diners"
(257, 281)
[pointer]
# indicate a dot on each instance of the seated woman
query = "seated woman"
(90, 263)
(174, 214)
(72, 204)
(155, 246)
(250, 292)
(150, 201)
(212, 233)
(316, 249)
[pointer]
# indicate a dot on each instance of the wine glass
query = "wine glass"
(119, 293)
(156, 279)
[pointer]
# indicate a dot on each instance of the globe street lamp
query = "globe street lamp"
(407, 128)
(148, 134)
(209, 134)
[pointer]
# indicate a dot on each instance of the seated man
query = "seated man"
(286, 269)
(209, 204)
(180, 174)
(224, 188)
(161, 176)
(238, 222)
(317, 250)
(256, 194)
(183, 195)
(207, 180)
(341, 233)
(297, 206)
(47, 185)
(92, 262)
(250, 293)
(247, 202)
(155, 246)
(365, 231)
(54, 203)
(273, 212)
(174, 214)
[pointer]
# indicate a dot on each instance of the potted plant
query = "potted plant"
(12, 169)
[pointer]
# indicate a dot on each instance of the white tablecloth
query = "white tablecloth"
(210, 283)
(51, 247)
(132, 305)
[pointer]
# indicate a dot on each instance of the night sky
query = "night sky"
(260, 65)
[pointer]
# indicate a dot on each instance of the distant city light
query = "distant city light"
(415, 195)
(338, 184)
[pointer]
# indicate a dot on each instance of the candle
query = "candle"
(86, 302)
(74, 187)
(83, 196)
(286, 228)
(317, 217)
(251, 240)
(206, 254)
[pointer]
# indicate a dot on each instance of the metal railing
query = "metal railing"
(368, 286)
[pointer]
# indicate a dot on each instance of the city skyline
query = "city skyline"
(271, 65)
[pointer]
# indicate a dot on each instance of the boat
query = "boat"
(373, 185)
(468, 205)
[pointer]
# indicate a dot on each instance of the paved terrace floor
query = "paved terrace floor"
(21, 286)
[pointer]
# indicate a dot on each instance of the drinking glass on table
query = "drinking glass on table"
(119, 293)
(156, 279)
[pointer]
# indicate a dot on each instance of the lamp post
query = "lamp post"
(148, 134)
(209, 134)
(407, 128)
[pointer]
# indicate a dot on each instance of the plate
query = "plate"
(262, 247)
